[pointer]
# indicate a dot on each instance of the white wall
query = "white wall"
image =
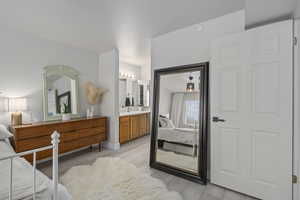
(189, 45)
(109, 79)
(146, 67)
(297, 111)
(297, 10)
(22, 58)
(146, 71)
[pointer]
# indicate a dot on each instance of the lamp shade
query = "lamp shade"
(17, 104)
(3, 104)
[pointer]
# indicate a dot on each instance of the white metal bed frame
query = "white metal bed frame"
(55, 141)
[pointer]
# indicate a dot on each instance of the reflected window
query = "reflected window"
(191, 117)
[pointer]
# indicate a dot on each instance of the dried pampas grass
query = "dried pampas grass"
(93, 93)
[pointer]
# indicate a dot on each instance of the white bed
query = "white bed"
(23, 179)
(179, 135)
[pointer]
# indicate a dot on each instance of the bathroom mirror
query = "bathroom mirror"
(137, 91)
(144, 93)
(60, 92)
(180, 117)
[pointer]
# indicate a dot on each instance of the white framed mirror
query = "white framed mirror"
(60, 92)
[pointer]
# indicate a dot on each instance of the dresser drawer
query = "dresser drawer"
(71, 126)
(70, 145)
(39, 155)
(43, 154)
(29, 144)
(73, 135)
(83, 142)
(69, 136)
(98, 123)
(76, 134)
(91, 132)
(33, 143)
(33, 132)
(96, 139)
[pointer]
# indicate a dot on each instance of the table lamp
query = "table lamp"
(16, 106)
(3, 104)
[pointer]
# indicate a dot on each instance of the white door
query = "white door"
(297, 109)
(252, 90)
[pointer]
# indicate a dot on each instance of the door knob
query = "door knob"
(217, 119)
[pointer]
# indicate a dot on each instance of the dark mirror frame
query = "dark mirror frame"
(201, 175)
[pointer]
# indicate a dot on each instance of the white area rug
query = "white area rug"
(114, 179)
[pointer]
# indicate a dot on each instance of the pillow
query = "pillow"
(166, 123)
(162, 122)
(4, 133)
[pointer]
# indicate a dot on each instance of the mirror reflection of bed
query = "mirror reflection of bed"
(178, 121)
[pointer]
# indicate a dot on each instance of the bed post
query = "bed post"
(55, 142)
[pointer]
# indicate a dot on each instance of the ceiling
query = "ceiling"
(177, 82)
(263, 11)
(100, 25)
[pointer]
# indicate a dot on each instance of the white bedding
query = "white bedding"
(179, 135)
(46, 194)
(23, 178)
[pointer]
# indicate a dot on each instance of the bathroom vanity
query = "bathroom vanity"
(133, 125)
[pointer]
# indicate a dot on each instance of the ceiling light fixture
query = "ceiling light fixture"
(190, 86)
(126, 76)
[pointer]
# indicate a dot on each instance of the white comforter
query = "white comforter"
(22, 176)
(179, 135)
(23, 179)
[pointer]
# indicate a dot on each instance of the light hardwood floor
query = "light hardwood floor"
(137, 152)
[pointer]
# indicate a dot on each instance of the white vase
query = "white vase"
(66, 117)
(90, 112)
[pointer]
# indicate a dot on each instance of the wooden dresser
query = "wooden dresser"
(74, 134)
(134, 126)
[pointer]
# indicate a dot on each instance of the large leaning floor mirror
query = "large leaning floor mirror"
(179, 128)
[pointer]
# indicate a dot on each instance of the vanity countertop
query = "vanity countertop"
(122, 114)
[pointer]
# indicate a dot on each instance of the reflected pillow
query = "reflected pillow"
(4, 133)
(165, 123)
